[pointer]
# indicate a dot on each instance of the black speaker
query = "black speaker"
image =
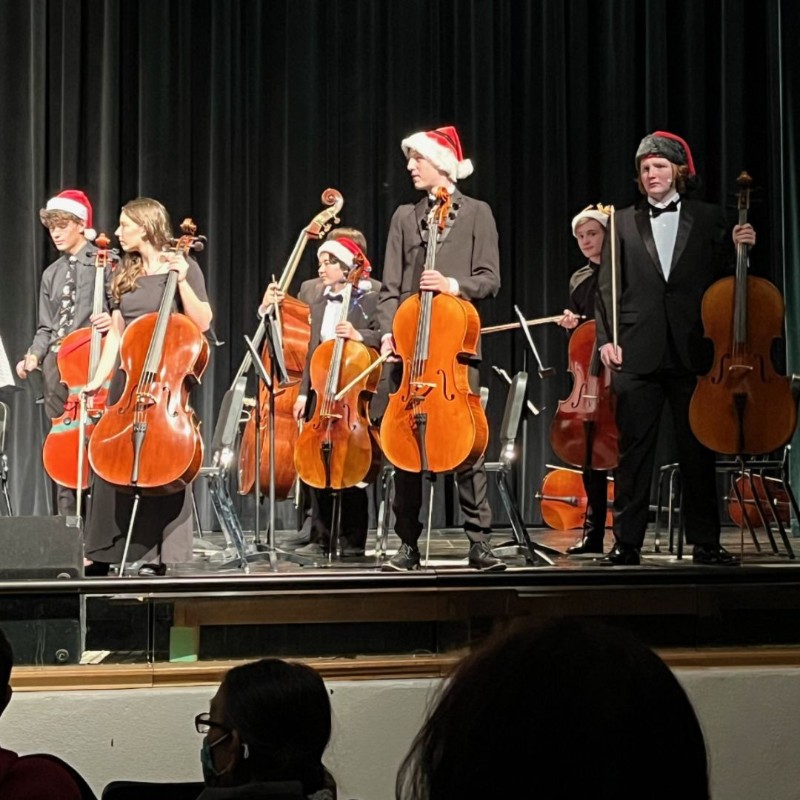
(41, 547)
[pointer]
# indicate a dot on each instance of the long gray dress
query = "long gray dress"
(163, 528)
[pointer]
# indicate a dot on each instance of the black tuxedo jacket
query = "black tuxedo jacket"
(361, 313)
(653, 309)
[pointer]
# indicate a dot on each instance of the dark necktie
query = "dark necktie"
(655, 211)
(66, 304)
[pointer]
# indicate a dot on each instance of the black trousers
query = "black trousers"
(595, 483)
(355, 516)
(471, 495)
(640, 400)
(472, 483)
(55, 395)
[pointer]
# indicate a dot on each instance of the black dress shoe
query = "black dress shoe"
(588, 544)
(406, 558)
(152, 570)
(623, 555)
(714, 555)
(96, 569)
(482, 558)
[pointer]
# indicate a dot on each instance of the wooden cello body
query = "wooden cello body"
(77, 360)
(295, 333)
(743, 406)
(434, 422)
(564, 502)
(584, 432)
(338, 447)
(149, 439)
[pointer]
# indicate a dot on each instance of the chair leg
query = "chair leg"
(384, 513)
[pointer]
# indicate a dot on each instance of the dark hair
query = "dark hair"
(282, 712)
(578, 709)
(6, 662)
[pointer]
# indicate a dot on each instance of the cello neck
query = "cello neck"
(98, 299)
(435, 223)
(156, 348)
(335, 367)
(316, 229)
(740, 296)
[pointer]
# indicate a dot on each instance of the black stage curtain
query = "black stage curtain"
(240, 112)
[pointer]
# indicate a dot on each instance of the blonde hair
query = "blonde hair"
(153, 217)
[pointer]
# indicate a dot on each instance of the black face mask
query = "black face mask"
(211, 774)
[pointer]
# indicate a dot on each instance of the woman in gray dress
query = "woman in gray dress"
(162, 532)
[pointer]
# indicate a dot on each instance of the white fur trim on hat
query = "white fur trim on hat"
(590, 212)
(442, 148)
(338, 251)
(76, 203)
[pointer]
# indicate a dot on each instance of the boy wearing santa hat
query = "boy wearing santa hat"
(336, 257)
(468, 266)
(66, 297)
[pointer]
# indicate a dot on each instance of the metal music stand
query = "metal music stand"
(278, 375)
(222, 454)
(535, 554)
(4, 418)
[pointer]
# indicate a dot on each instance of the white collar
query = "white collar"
(664, 203)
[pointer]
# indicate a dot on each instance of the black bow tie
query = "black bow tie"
(335, 298)
(655, 211)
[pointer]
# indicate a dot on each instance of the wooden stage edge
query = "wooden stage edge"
(155, 676)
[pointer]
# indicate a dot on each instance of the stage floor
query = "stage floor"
(399, 623)
(449, 546)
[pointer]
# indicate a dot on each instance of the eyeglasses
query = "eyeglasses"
(203, 723)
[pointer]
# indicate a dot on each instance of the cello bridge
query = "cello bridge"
(740, 368)
(145, 399)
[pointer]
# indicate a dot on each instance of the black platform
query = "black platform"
(352, 609)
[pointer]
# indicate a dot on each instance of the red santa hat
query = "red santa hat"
(349, 254)
(666, 145)
(442, 148)
(75, 202)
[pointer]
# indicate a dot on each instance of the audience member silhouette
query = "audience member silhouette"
(576, 710)
(266, 730)
(33, 777)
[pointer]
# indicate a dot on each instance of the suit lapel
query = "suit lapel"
(317, 313)
(646, 232)
(685, 223)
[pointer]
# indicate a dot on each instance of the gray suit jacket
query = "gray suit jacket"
(468, 252)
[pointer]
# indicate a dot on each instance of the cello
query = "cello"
(434, 422)
(563, 500)
(77, 361)
(743, 406)
(295, 334)
(163, 354)
(584, 432)
(338, 447)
